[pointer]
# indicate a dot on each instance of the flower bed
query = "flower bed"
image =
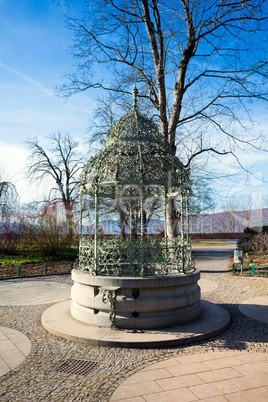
(36, 269)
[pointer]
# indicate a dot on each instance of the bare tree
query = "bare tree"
(239, 213)
(62, 163)
(195, 61)
(8, 196)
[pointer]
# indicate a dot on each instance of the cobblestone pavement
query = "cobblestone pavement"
(38, 378)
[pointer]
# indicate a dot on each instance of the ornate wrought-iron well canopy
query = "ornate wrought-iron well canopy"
(135, 168)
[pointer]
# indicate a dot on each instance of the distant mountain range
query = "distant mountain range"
(228, 221)
(113, 227)
(221, 222)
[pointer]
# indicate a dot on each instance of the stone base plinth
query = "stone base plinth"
(139, 303)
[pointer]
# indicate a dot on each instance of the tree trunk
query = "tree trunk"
(173, 229)
(69, 218)
(122, 222)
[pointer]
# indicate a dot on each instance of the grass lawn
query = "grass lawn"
(210, 243)
(21, 258)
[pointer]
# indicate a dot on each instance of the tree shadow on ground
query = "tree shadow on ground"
(244, 333)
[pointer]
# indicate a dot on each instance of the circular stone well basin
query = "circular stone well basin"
(140, 303)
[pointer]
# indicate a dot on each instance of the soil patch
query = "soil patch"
(36, 269)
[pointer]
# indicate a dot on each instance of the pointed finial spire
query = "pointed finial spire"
(135, 93)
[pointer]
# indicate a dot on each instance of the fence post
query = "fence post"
(253, 270)
(45, 269)
(18, 270)
(233, 266)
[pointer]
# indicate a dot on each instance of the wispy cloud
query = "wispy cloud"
(28, 79)
(42, 88)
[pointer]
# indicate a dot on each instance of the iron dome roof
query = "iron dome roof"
(134, 154)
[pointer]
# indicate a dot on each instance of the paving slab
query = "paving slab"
(256, 308)
(57, 320)
(32, 293)
(14, 348)
(209, 382)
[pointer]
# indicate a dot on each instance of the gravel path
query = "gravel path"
(37, 378)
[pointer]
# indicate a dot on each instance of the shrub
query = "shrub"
(245, 243)
(256, 229)
(260, 244)
(10, 233)
(49, 238)
(44, 235)
(256, 243)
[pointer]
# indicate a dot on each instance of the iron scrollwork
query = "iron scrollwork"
(108, 296)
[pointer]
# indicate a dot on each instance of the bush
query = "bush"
(256, 229)
(33, 233)
(10, 233)
(256, 243)
(44, 235)
(245, 243)
(260, 244)
(47, 237)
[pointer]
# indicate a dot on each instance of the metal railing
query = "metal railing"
(129, 257)
(250, 270)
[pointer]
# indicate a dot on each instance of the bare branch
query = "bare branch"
(205, 150)
(61, 163)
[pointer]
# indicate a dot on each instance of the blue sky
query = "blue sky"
(33, 61)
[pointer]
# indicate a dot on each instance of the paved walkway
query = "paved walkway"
(233, 376)
(230, 367)
(256, 308)
(14, 347)
(15, 293)
(215, 376)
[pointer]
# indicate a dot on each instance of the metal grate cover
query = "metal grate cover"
(77, 366)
